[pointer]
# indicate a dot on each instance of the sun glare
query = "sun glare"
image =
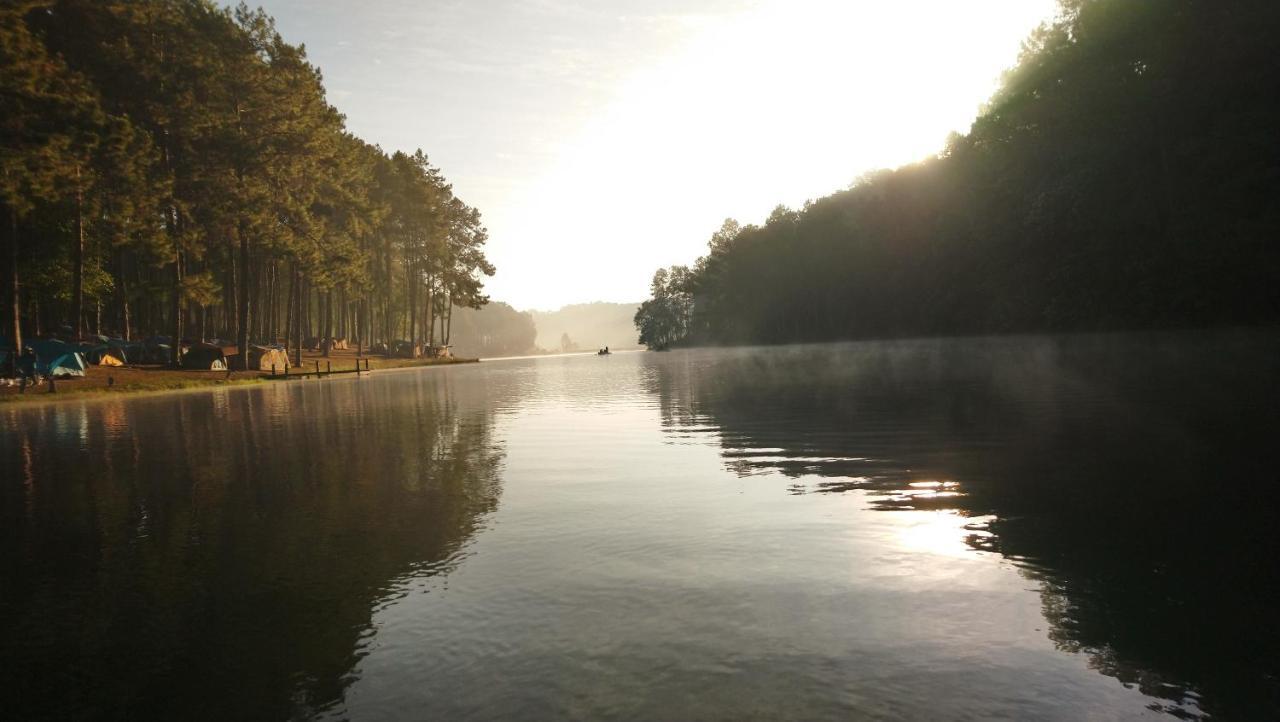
(789, 102)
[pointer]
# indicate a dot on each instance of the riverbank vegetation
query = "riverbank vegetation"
(1124, 176)
(172, 167)
(155, 379)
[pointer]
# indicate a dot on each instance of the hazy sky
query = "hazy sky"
(604, 139)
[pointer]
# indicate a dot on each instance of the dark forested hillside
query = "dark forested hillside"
(173, 167)
(1126, 175)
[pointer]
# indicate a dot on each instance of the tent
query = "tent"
(154, 350)
(205, 357)
(317, 343)
(103, 355)
(405, 349)
(263, 358)
(57, 358)
(156, 353)
(123, 344)
(131, 351)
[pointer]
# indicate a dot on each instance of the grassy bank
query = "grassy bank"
(138, 380)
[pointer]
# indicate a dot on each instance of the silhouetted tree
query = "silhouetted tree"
(1122, 177)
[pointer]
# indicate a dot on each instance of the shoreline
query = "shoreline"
(140, 381)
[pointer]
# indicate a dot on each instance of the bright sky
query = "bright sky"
(603, 139)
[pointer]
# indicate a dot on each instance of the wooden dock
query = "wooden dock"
(305, 372)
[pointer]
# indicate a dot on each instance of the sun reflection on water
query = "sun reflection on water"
(943, 532)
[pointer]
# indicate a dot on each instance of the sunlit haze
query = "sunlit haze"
(603, 140)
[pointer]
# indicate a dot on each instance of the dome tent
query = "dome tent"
(205, 357)
(103, 354)
(57, 358)
(261, 358)
(266, 358)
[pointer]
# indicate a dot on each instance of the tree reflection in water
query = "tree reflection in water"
(156, 553)
(1129, 475)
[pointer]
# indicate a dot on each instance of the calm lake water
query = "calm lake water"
(1078, 527)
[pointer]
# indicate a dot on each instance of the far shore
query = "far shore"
(110, 382)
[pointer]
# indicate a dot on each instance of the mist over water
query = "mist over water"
(1026, 527)
(1128, 474)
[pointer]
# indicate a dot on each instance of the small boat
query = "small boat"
(604, 352)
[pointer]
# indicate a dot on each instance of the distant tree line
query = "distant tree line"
(1125, 175)
(173, 167)
(589, 326)
(496, 330)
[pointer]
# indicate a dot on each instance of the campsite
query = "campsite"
(59, 368)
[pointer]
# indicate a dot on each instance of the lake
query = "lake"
(1061, 527)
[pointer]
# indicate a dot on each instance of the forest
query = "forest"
(493, 331)
(172, 168)
(1125, 175)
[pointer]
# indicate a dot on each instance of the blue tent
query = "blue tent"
(132, 350)
(57, 358)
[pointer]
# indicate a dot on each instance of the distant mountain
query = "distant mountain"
(589, 326)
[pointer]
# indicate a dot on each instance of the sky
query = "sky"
(604, 139)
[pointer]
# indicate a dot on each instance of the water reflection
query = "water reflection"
(314, 550)
(157, 553)
(1129, 476)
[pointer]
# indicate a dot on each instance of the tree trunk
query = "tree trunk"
(342, 313)
(431, 311)
(122, 293)
(304, 307)
(360, 327)
(15, 317)
(327, 343)
(288, 312)
(386, 295)
(297, 315)
(231, 294)
(411, 298)
(448, 329)
(77, 273)
(175, 351)
(242, 322)
(269, 326)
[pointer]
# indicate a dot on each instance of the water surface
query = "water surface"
(1033, 527)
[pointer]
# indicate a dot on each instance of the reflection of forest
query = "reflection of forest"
(220, 555)
(1129, 475)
